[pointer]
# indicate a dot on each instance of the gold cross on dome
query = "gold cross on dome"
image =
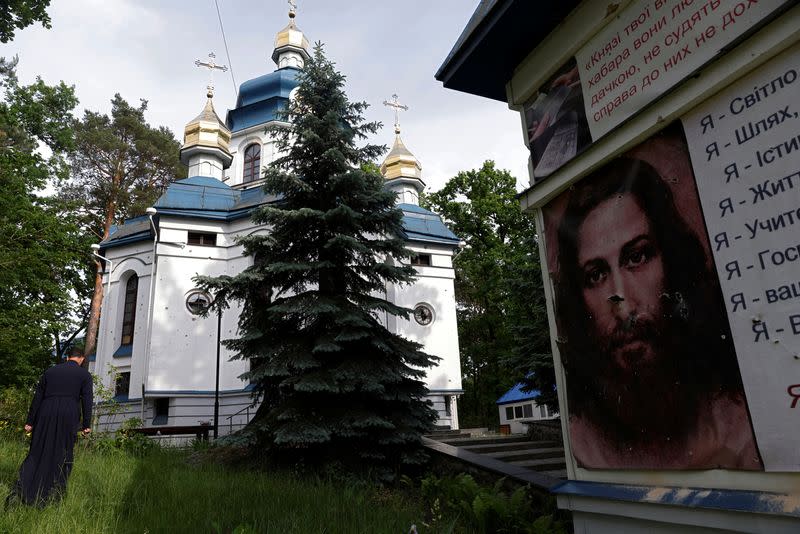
(211, 65)
(397, 106)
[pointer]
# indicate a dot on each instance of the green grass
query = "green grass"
(116, 493)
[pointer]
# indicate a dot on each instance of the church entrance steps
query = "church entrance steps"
(540, 463)
(557, 473)
(441, 435)
(514, 446)
(488, 440)
(533, 453)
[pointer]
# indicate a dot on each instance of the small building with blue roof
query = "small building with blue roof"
(152, 335)
(517, 406)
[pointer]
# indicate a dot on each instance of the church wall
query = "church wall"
(434, 286)
(184, 345)
(406, 194)
(181, 364)
(446, 418)
(134, 258)
(235, 411)
(205, 165)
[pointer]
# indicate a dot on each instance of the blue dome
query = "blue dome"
(261, 98)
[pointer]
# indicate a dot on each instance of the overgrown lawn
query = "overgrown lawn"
(112, 492)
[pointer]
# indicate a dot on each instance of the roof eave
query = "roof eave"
(486, 54)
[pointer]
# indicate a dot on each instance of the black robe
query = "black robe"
(55, 415)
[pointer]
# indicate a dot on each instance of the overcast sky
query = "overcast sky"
(147, 48)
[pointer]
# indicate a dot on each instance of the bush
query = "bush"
(487, 509)
(14, 404)
(125, 439)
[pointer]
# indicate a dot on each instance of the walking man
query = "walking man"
(63, 394)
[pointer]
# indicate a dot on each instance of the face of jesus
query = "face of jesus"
(622, 280)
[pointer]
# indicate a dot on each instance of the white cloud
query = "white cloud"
(146, 49)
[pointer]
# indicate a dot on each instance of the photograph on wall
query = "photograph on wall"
(643, 52)
(652, 378)
(556, 122)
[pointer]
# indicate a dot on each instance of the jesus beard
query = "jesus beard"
(639, 384)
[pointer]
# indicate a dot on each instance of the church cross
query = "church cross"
(397, 106)
(211, 65)
(292, 8)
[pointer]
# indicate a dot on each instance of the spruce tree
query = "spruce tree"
(337, 386)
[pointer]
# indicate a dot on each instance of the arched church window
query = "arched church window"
(252, 163)
(129, 310)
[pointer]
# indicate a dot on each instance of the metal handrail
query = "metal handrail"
(230, 419)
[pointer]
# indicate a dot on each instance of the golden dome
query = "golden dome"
(290, 39)
(400, 162)
(206, 130)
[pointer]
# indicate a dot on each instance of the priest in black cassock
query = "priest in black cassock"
(64, 394)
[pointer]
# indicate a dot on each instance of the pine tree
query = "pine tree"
(337, 386)
(120, 166)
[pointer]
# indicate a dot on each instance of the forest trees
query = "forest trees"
(119, 167)
(502, 322)
(42, 253)
(337, 386)
(19, 14)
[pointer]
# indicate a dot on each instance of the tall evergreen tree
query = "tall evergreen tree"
(120, 166)
(337, 386)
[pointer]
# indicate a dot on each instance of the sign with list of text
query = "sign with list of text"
(745, 150)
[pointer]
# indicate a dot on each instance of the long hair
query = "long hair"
(704, 356)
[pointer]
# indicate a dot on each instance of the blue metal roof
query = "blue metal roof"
(422, 225)
(203, 197)
(131, 231)
(260, 99)
(199, 193)
(516, 394)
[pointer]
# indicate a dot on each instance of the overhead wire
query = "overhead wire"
(227, 53)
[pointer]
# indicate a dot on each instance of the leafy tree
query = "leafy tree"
(502, 324)
(42, 254)
(337, 386)
(119, 167)
(531, 359)
(19, 14)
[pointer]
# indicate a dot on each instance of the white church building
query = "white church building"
(156, 351)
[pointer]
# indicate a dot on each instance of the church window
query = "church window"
(129, 310)
(161, 411)
(528, 410)
(447, 409)
(122, 385)
(198, 302)
(252, 163)
(543, 410)
(203, 239)
(517, 412)
(423, 314)
(509, 413)
(421, 259)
